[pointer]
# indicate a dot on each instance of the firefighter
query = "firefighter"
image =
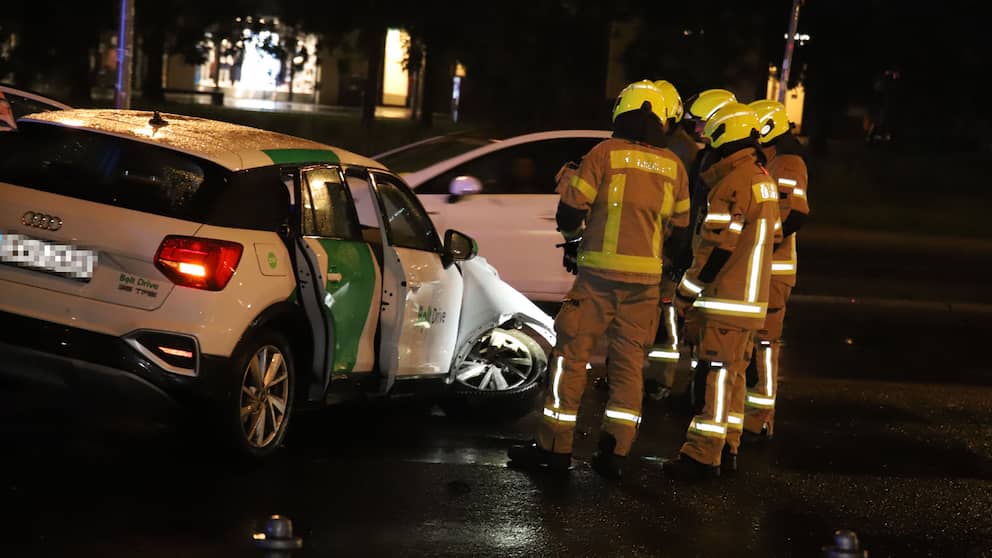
(613, 214)
(728, 285)
(673, 336)
(664, 354)
(786, 164)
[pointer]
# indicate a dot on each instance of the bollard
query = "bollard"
(276, 537)
(845, 545)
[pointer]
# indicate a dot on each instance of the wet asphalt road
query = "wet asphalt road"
(884, 427)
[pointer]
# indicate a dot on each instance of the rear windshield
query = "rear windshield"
(111, 170)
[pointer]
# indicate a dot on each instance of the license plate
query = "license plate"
(41, 255)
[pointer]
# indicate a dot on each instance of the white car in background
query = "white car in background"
(24, 102)
(502, 193)
(244, 271)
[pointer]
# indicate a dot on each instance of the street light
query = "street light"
(789, 45)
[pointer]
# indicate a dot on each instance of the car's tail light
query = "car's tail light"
(201, 263)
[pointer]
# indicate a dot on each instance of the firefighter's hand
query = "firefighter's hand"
(570, 255)
(682, 303)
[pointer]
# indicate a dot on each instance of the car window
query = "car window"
(327, 208)
(361, 192)
(113, 171)
(407, 224)
(22, 106)
(527, 168)
(425, 154)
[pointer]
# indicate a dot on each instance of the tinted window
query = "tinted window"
(22, 106)
(528, 168)
(425, 154)
(327, 209)
(134, 175)
(407, 224)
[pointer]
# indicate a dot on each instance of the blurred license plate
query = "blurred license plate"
(41, 255)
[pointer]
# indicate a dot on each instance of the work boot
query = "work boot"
(605, 462)
(728, 462)
(748, 437)
(687, 469)
(533, 457)
(653, 390)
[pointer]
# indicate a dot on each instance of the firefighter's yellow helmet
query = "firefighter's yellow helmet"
(636, 94)
(673, 101)
(732, 122)
(705, 103)
(772, 117)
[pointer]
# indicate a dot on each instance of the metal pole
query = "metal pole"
(790, 43)
(125, 48)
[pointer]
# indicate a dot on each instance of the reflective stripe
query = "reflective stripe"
(614, 207)
(683, 205)
(778, 224)
(735, 422)
(736, 227)
(768, 371)
(786, 267)
(730, 308)
(787, 181)
(717, 218)
(799, 192)
(673, 326)
(560, 416)
(623, 416)
(721, 379)
(759, 401)
(690, 286)
(658, 354)
(694, 363)
(708, 429)
(559, 368)
(572, 235)
(586, 189)
(666, 211)
(621, 262)
(642, 160)
(754, 273)
(776, 266)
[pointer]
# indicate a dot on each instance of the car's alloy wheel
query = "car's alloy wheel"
(500, 360)
(265, 396)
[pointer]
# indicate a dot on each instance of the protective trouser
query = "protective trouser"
(759, 407)
(664, 356)
(721, 360)
(627, 314)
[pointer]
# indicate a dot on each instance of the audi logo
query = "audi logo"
(41, 221)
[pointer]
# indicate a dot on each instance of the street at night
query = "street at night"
(309, 279)
(883, 429)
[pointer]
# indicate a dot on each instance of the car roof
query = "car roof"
(6, 89)
(416, 178)
(229, 145)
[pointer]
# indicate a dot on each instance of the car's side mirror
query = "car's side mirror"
(463, 186)
(459, 246)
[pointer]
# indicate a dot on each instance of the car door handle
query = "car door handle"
(334, 277)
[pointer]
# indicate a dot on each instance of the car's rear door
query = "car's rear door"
(513, 218)
(83, 214)
(346, 267)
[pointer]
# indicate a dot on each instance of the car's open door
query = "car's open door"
(421, 293)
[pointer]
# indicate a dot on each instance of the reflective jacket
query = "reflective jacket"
(632, 192)
(741, 218)
(789, 171)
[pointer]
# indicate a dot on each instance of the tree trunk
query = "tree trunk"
(154, 50)
(375, 47)
(434, 71)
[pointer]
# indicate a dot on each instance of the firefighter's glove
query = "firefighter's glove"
(570, 255)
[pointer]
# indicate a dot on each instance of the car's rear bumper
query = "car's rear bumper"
(40, 352)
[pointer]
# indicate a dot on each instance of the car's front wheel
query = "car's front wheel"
(499, 377)
(258, 412)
